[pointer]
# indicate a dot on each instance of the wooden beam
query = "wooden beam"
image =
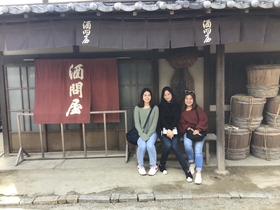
(220, 101)
(3, 108)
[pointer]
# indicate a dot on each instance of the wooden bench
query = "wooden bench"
(209, 137)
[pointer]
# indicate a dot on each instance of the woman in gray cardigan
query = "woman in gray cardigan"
(148, 135)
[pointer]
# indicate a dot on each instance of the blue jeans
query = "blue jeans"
(149, 146)
(194, 154)
(169, 144)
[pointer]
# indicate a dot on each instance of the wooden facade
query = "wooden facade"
(224, 75)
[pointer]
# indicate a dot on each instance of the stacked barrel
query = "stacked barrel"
(246, 130)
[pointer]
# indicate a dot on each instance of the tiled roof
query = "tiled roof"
(139, 6)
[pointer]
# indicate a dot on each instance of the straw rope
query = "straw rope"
(236, 154)
(264, 142)
(273, 119)
(261, 152)
(263, 91)
(249, 123)
(277, 115)
(264, 152)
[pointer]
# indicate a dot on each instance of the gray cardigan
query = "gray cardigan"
(140, 116)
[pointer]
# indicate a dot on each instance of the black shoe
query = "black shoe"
(162, 169)
(189, 176)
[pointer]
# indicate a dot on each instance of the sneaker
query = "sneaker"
(162, 169)
(198, 178)
(192, 168)
(153, 170)
(141, 169)
(189, 176)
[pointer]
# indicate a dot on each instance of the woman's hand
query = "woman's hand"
(195, 132)
(169, 134)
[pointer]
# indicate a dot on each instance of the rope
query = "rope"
(259, 152)
(263, 91)
(249, 123)
(229, 138)
(277, 115)
(264, 142)
(230, 114)
(265, 152)
(231, 127)
(273, 119)
(236, 154)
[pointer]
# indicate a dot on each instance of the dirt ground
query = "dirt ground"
(243, 187)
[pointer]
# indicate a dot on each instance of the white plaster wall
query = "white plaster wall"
(198, 74)
(166, 73)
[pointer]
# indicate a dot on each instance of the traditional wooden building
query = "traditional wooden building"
(202, 45)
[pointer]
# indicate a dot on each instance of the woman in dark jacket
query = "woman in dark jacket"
(169, 115)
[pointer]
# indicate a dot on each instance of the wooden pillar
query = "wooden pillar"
(207, 72)
(3, 108)
(220, 109)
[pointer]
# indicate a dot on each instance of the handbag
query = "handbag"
(132, 136)
(196, 137)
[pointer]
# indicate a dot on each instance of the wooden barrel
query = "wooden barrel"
(266, 143)
(272, 112)
(246, 111)
(237, 143)
(263, 80)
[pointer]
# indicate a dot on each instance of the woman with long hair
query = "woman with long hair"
(195, 119)
(169, 115)
(148, 135)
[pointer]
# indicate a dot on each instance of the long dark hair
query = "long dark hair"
(141, 102)
(192, 93)
(164, 103)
